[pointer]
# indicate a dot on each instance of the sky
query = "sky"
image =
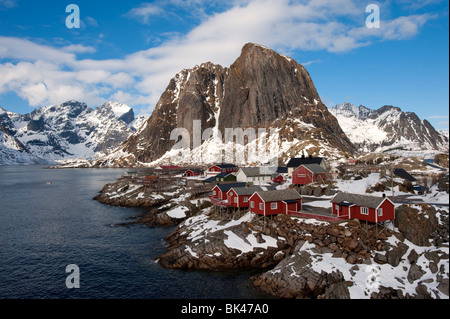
(128, 51)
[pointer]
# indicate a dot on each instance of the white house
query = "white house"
(255, 175)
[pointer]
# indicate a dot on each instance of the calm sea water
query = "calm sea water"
(44, 228)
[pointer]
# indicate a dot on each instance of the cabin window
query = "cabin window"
(261, 206)
(236, 200)
(245, 199)
(273, 206)
(364, 211)
(252, 204)
(380, 212)
(301, 175)
(215, 193)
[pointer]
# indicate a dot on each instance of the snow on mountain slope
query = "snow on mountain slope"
(66, 131)
(13, 152)
(248, 95)
(388, 129)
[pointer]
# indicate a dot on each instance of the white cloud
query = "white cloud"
(144, 12)
(396, 29)
(45, 75)
(22, 49)
(78, 48)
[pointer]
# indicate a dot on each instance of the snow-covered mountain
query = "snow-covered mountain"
(261, 91)
(65, 131)
(388, 129)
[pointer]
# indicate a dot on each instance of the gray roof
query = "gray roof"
(228, 186)
(242, 191)
(358, 200)
(315, 168)
(297, 161)
(258, 171)
(225, 165)
(279, 195)
(400, 172)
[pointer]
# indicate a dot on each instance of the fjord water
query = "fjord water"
(48, 220)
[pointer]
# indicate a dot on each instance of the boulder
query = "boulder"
(350, 243)
(395, 254)
(416, 226)
(413, 256)
(380, 258)
(294, 277)
(415, 273)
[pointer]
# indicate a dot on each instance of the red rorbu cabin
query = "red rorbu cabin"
(284, 201)
(219, 193)
(309, 173)
(240, 196)
(222, 168)
(193, 173)
(363, 207)
(277, 178)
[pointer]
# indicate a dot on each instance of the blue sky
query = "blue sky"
(129, 50)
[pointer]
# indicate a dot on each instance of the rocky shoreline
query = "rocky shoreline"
(300, 258)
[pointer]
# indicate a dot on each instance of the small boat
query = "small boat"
(49, 183)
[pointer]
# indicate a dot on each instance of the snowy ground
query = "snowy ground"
(368, 278)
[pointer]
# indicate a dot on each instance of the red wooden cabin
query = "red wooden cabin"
(240, 196)
(309, 173)
(363, 207)
(193, 172)
(276, 202)
(219, 193)
(277, 178)
(222, 168)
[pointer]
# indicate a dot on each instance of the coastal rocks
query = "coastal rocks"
(294, 277)
(417, 223)
(214, 242)
(128, 193)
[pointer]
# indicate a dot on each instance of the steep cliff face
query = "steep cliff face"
(266, 89)
(261, 90)
(193, 94)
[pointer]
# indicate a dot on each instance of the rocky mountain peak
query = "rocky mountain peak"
(64, 131)
(388, 129)
(262, 89)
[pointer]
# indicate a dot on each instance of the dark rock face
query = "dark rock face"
(127, 117)
(190, 95)
(262, 89)
(36, 125)
(294, 278)
(415, 226)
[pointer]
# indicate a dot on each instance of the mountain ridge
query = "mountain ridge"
(388, 128)
(64, 131)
